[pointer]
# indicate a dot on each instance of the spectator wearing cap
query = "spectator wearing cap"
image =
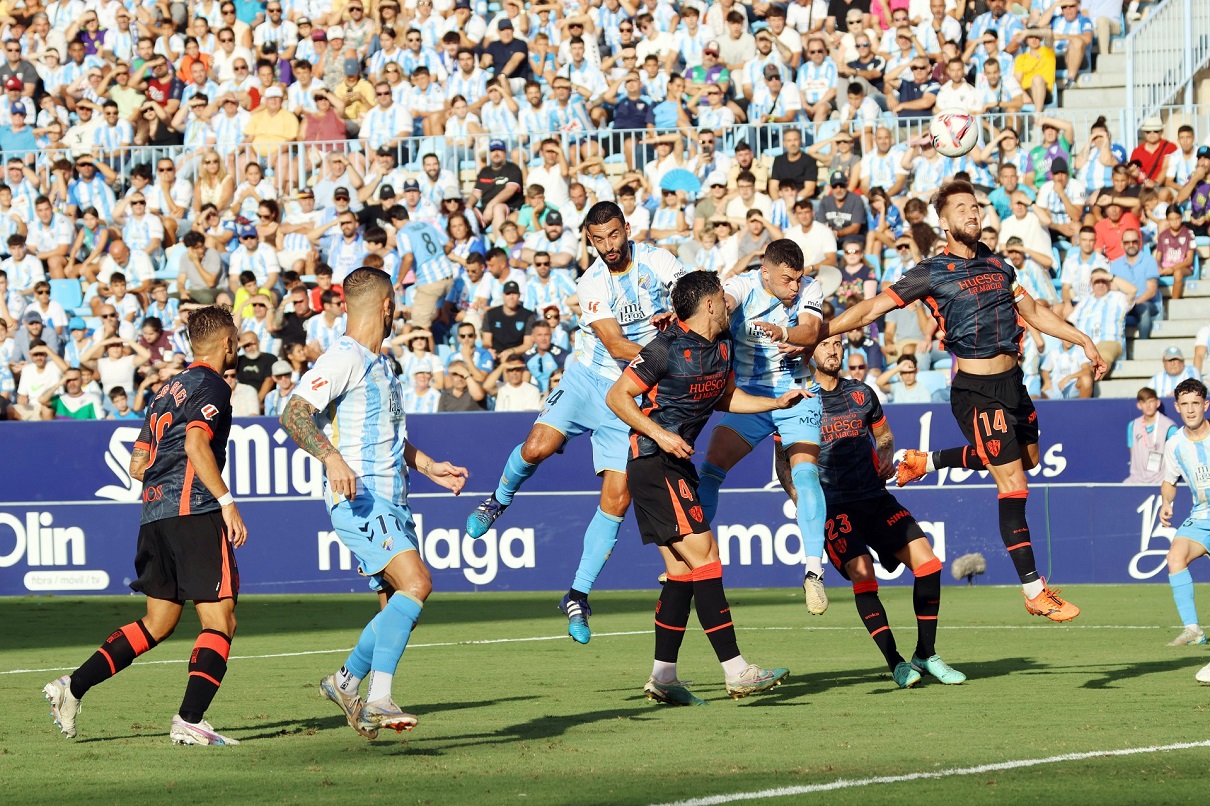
(1152, 154)
(843, 212)
(420, 397)
(34, 330)
(283, 387)
(507, 327)
(254, 256)
(463, 393)
(510, 387)
(1138, 267)
(73, 348)
(1174, 371)
(39, 375)
(817, 79)
(507, 56)
(560, 243)
(1174, 249)
(17, 139)
(498, 186)
(340, 242)
(709, 71)
(269, 126)
(418, 207)
(1060, 202)
(1102, 314)
(470, 27)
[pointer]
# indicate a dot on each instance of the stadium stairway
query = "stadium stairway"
(1182, 319)
(1091, 89)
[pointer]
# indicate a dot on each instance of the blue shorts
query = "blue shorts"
(798, 424)
(375, 531)
(578, 407)
(1197, 530)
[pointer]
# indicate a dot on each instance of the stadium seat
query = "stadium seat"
(68, 294)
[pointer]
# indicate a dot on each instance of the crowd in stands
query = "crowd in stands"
(163, 155)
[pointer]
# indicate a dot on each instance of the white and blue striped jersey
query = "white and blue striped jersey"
(384, 125)
(471, 88)
(262, 263)
(1094, 174)
(343, 256)
(498, 120)
(1102, 318)
(318, 330)
(260, 329)
(631, 298)
(1165, 384)
(414, 403)
(760, 367)
(815, 80)
(228, 130)
(881, 170)
(209, 89)
(1189, 459)
(1048, 197)
(427, 245)
(1078, 27)
(538, 295)
(428, 57)
(359, 403)
(380, 60)
(95, 193)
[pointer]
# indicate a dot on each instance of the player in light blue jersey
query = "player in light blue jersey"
(625, 298)
(347, 411)
(1187, 456)
(777, 293)
(427, 253)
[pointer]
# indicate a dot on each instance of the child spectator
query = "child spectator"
(1146, 436)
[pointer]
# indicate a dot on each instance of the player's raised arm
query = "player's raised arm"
(1047, 321)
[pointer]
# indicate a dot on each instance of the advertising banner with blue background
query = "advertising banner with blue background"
(69, 512)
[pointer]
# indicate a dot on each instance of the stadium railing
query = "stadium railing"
(1164, 53)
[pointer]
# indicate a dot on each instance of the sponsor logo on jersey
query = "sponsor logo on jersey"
(858, 398)
(209, 411)
(318, 383)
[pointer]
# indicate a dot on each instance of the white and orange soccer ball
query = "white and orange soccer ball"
(954, 132)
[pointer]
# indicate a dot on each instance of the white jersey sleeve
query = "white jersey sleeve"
(810, 299)
(1172, 470)
(336, 371)
(595, 295)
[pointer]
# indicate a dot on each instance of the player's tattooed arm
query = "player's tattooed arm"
(884, 448)
(298, 419)
(139, 459)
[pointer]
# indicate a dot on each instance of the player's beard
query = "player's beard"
(388, 321)
(831, 368)
(969, 239)
(623, 258)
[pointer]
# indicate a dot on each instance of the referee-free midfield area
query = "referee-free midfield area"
(512, 711)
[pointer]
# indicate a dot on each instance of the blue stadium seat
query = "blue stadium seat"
(68, 294)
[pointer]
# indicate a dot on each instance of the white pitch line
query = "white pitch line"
(851, 783)
(536, 638)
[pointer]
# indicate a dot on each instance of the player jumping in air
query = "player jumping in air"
(189, 529)
(781, 295)
(863, 515)
(1187, 456)
(347, 411)
(624, 299)
(979, 305)
(684, 374)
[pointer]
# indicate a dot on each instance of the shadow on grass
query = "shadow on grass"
(550, 726)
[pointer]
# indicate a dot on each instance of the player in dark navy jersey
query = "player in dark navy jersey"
(684, 374)
(856, 456)
(190, 527)
(978, 304)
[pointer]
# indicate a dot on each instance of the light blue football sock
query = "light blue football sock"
(358, 664)
(516, 472)
(393, 627)
(1182, 594)
(812, 510)
(710, 478)
(599, 540)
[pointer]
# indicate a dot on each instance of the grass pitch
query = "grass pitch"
(508, 717)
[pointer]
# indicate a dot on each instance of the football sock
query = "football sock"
(380, 686)
(926, 599)
(346, 681)
(207, 665)
(1182, 594)
(734, 667)
(118, 652)
(671, 616)
(710, 478)
(599, 540)
(1014, 531)
(359, 660)
(713, 611)
(873, 616)
(516, 472)
(392, 629)
(955, 457)
(811, 509)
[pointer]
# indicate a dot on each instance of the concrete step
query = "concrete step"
(1079, 98)
(1126, 387)
(1197, 288)
(1100, 80)
(1190, 308)
(1136, 369)
(1152, 349)
(1173, 329)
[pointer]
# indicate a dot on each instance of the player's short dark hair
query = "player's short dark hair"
(193, 238)
(955, 187)
(1089, 230)
(208, 324)
(323, 269)
(691, 289)
(495, 252)
(365, 282)
(602, 213)
(375, 235)
(1189, 386)
(116, 392)
(784, 251)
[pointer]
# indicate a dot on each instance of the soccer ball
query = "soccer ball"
(954, 132)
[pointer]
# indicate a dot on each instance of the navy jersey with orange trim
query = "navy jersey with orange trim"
(682, 375)
(197, 398)
(974, 301)
(848, 469)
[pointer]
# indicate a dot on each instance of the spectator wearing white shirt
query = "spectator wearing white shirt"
(513, 393)
(1060, 203)
(552, 173)
(52, 313)
(1175, 370)
(256, 257)
(1032, 277)
(637, 217)
(901, 384)
(1066, 373)
(1025, 224)
(1078, 266)
(815, 238)
(956, 93)
(387, 123)
(421, 397)
(23, 269)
